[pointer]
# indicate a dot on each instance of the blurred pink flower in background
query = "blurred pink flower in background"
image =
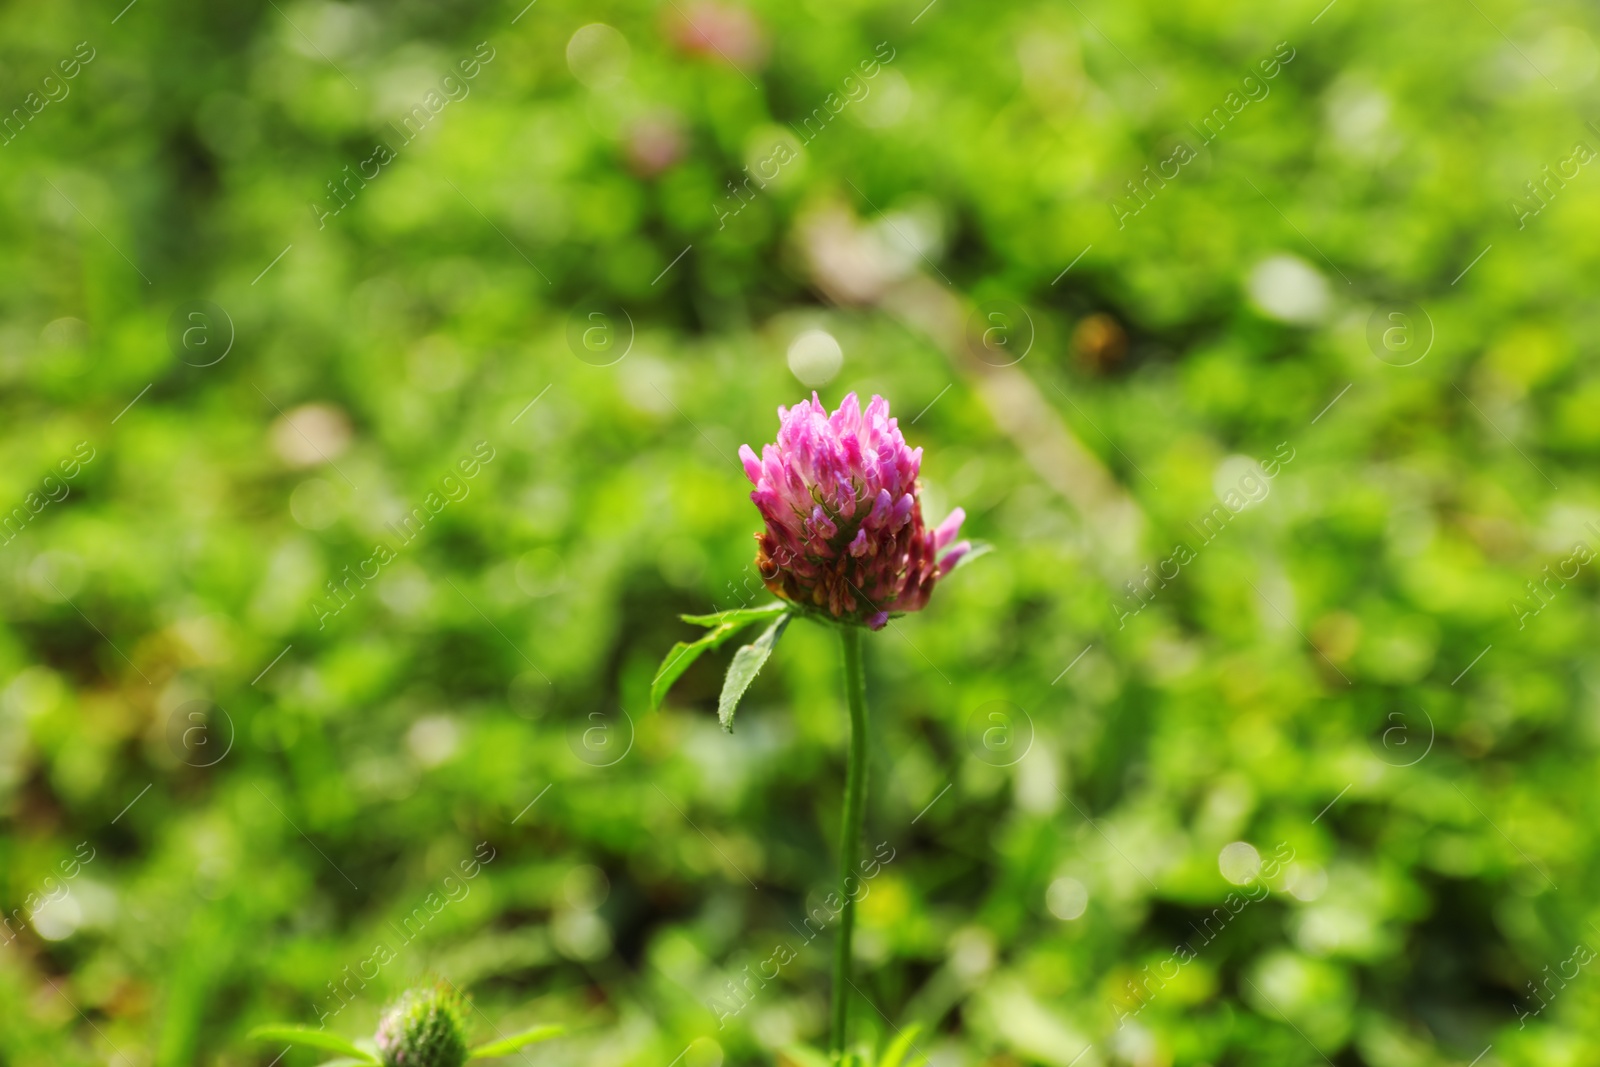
(654, 143)
(719, 31)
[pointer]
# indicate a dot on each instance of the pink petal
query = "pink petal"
(902, 512)
(752, 465)
(951, 558)
(948, 528)
(880, 509)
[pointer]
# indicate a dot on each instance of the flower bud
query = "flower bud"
(426, 1027)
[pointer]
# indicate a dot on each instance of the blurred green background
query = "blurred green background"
(225, 782)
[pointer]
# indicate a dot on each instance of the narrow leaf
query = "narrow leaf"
(803, 1056)
(740, 615)
(895, 1054)
(305, 1035)
(507, 1045)
(679, 659)
(747, 663)
(683, 654)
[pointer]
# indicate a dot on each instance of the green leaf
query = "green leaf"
(740, 615)
(805, 1056)
(679, 659)
(684, 653)
(305, 1035)
(744, 668)
(895, 1054)
(507, 1045)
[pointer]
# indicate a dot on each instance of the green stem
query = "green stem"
(855, 808)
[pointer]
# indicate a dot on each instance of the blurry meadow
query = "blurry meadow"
(372, 377)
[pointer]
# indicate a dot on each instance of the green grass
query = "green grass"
(253, 808)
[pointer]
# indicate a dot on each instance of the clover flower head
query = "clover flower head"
(426, 1027)
(844, 531)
